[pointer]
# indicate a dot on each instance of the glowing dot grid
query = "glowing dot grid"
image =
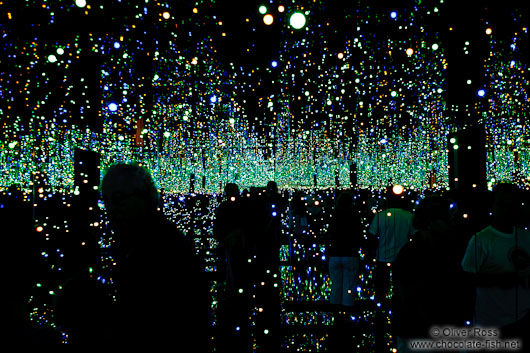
(376, 107)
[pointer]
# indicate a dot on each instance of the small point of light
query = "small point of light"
(452, 140)
(262, 9)
(340, 56)
(481, 92)
(166, 15)
(274, 63)
(40, 229)
(213, 99)
(435, 46)
(410, 51)
(60, 51)
(393, 14)
(281, 8)
(80, 3)
(117, 45)
(488, 31)
(52, 58)
(268, 19)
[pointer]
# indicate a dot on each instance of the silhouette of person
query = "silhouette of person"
(269, 246)
(161, 294)
(430, 288)
(230, 227)
(392, 227)
(498, 257)
(230, 230)
(344, 243)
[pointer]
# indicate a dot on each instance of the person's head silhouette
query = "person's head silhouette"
(433, 215)
(272, 188)
(232, 191)
(130, 195)
(506, 206)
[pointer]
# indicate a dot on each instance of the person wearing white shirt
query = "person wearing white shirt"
(498, 257)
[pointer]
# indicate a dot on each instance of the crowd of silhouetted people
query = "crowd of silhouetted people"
(450, 259)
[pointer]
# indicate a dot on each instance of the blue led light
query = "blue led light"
(481, 92)
(113, 107)
(117, 45)
(393, 14)
(274, 63)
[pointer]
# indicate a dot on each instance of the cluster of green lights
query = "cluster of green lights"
(377, 102)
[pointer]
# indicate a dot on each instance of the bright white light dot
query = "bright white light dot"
(213, 99)
(80, 3)
(297, 20)
(166, 15)
(397, 189)
(435, 46)
(60, 51)
(481, 92)
(113, 107)
(117, 45)
(393, 14)
(268, 19)
(52, 58)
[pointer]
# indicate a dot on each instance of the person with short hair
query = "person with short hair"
(498, 257)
